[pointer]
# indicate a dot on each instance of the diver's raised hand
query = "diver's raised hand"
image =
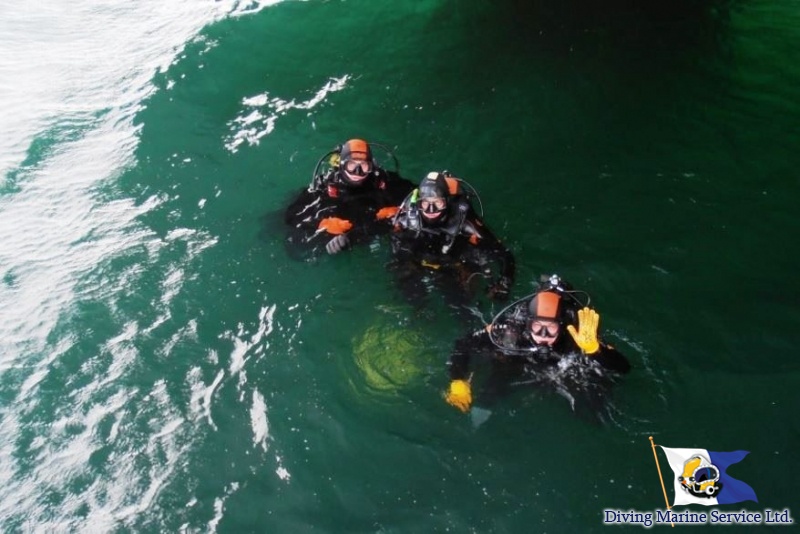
(586, 335)
(459, 395)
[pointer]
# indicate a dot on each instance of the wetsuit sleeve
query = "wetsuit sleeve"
(301, 223)
(405, 242)
(299, 208)
(463, 351)
(397, 240)
(611, 359)
(494, 250)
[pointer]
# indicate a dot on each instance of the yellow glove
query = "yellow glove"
(586, 336)
(459, 395)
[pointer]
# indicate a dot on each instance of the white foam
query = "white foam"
(251, 125)
(242, 345)
(258, 419)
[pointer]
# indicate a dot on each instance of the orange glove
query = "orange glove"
(335, 225)
(385, 213)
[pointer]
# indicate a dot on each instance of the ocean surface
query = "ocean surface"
(167, 366)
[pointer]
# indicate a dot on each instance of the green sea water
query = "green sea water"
(168, 367)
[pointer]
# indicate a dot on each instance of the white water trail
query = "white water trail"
(73, 77)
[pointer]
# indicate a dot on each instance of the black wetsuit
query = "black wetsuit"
(525, 352)
(461, 249)
(516, 359)
(333, 197)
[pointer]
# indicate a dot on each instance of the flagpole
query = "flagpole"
(661, 478)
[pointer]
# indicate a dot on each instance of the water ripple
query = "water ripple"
(262, 112)
(82, 449)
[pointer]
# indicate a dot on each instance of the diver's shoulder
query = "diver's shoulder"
(395, 177)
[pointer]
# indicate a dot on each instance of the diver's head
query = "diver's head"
(355, 162)
(433, 197)
(545, 311)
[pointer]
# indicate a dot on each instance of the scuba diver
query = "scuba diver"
(350, 200)
(438, 235)
(529, 338)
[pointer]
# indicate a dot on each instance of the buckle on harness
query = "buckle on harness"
(434, 266)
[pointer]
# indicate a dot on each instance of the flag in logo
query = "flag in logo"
(700, 477)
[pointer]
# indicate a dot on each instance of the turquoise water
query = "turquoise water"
(167, 367)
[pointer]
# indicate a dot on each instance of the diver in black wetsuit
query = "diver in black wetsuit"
(528, 338)
(350, 202)
(438, 235)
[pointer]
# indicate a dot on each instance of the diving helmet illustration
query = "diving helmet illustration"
(700, 477)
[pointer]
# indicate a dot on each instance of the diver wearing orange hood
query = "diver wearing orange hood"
(533, 330)
(438, 234)
(350, 200)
